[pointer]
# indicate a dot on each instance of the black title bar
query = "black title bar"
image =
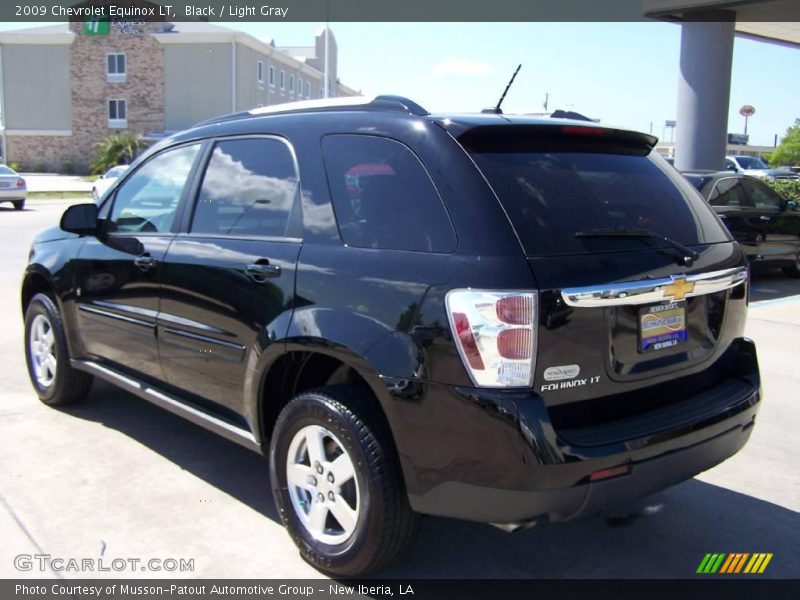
(389, 10)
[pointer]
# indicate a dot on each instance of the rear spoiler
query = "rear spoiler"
(564, 136)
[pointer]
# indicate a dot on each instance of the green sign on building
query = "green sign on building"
(95, 27)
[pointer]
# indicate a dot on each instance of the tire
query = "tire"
(18, 204)
(55, 381)
(794, 270)
(381, 522)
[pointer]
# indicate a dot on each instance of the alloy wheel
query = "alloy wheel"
(322, 485)
(43, 351)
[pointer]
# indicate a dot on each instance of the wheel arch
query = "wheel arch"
(305, 365)
(36, 281)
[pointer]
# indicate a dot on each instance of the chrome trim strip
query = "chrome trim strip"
(204, 339)
(127, 308)
(154, 396)
(650, 291)
(118, 317)
(184, 322)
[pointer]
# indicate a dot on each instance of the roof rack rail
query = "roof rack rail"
(378, 103)
(570, 114)
(404, 104)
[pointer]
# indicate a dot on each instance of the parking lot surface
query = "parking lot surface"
(115, 477)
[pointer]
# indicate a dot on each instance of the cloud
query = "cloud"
(461, 66)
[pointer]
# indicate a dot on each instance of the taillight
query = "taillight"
(20, 182)
(495, 333)
(467, 341)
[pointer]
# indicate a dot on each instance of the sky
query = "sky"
(626, 74)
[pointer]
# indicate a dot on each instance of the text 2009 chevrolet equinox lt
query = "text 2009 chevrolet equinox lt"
(487, 317)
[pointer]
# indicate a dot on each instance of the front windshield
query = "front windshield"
(751, 162)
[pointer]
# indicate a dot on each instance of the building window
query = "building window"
(115, 67)
(260, 72)
(291, 84)
(117, 114)
(299, 87)
(282, 80)
(271, 76)
(308, 89)
(322, 91)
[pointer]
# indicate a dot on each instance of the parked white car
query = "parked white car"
(101, 185)
(12, 187)
(755, 167)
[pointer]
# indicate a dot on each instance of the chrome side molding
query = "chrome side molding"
(651, 291)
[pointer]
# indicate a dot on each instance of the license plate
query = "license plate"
(662, 326)
(4, 184)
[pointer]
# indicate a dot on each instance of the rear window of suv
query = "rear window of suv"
(383, 197)
(554, 188)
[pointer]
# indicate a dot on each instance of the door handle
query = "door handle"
(261, 270)
(145, 262)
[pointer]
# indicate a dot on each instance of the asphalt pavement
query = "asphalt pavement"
(115, 477)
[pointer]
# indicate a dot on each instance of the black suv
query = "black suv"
(487, 317)
(760, 219)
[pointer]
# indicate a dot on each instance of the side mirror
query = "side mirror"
(80, 219)
(791, 205)
(731, 168)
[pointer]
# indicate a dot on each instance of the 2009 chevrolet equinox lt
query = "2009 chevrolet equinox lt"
(488, 317)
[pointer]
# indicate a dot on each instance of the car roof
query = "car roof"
(700, 177)
(398, 107)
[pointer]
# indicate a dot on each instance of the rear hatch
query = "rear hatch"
(638, 280)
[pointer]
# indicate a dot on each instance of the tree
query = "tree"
(788, 152)
(117, 149)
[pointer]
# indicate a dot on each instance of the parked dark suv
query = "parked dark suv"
(487, 317)
(766, 224)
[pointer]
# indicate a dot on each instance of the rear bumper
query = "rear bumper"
(476, 503)
(549, 474)
(9, 194)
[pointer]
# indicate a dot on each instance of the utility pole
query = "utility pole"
(326, 87)
(546, 98)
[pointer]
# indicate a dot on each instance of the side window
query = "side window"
(762, 196)
(730, 165)
(249, 188)
(383, 197)
(728, 192)
(148, 199)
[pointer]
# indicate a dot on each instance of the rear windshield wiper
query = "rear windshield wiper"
(689, 255)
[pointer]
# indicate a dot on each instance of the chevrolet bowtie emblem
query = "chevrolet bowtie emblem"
(679, 289)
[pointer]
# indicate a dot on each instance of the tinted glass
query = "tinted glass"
(7, 171)
(383, 197)
(148, 199)
(728, 192)
(697, 181)
(551, 196)
(751, 162)
(761, 196)
(249, 189)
